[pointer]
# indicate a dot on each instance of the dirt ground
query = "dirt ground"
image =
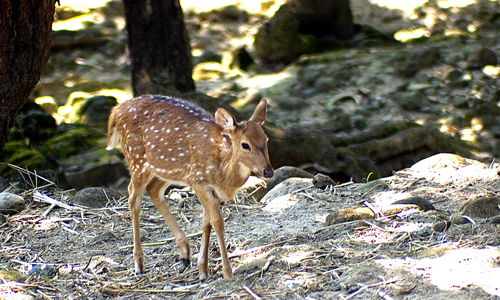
(278, 250)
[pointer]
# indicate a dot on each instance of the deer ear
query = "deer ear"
(259, 115)
(225, 120)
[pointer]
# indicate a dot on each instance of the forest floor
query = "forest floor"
(284, 251)
(278, 250)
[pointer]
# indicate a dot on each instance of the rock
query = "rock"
(416, 61)
(3, 220)
(483, 207)
(456, 79)
(441, 226)
(96, 110)
(411, 100)
(44, 270)
(380, 149)
(482, 57)
(348, 214)
(242, 59)
(444, 160)
(11, 203)
(371, 187)
(47, 103)
(322, 181)
(495, 220)
(13, 275)
(359, 213)
(96, 197)
(96, 173)
(73, 140)
(280, 40)
(4, 183)
(423, 203)
(280, 203)
(255, 187)
(29, 181)
(458, 219)
(19, 154)
(232, 12)
(283, 173)
(38, 126)
(288, 186)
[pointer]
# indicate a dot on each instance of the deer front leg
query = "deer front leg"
(211, 202)
(218, 224)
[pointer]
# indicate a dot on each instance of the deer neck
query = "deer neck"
(234, 174)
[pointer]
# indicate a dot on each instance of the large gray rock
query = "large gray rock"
(96, 197)
(11, 203)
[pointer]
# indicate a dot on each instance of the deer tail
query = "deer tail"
(113, 136)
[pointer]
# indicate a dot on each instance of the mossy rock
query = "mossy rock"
(280, 40)
(71, 142)
(19, 154)
(92, 110)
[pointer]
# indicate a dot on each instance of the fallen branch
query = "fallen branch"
(121, 291)
(37, 196)
(248, 290)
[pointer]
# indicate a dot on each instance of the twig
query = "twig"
(26, 171)
(119, 291)
(48, 210)
(264, 267)
(248, 290)
(302, 189)
(252, 193)
(44, 198)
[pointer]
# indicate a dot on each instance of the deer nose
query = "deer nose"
(268, 172)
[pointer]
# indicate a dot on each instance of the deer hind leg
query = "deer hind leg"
(212, 218)
(156, 189)
(205, 242)
(136, 189)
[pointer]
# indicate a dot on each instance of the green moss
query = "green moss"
(71, 142)
(25, 158)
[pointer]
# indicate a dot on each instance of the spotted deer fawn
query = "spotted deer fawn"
(171, 141)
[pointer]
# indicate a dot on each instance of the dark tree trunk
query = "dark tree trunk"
(159, 47)
(25, 35)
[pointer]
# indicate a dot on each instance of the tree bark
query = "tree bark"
(25, 36)
(159, 47)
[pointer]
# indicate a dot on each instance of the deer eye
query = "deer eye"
(245, 146)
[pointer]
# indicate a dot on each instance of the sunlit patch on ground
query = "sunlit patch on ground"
(456, 268)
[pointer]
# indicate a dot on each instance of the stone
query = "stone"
(38, 126)
(283, 173)
(286, 187)
(100, 173)
(96, 197)
(11, 203)
(411, 100)
(423, 203)
(322, 181)
(482, 207)
(254, 187)
(96, 110)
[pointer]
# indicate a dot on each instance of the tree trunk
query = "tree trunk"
(159, 47)
(25, 36)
